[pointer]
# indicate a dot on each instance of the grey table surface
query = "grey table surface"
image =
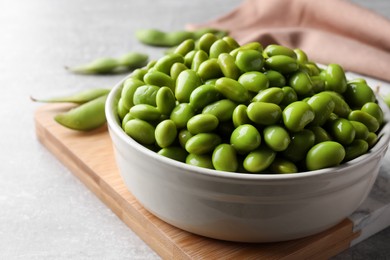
(46, 212)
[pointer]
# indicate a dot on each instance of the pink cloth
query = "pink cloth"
(331, 31)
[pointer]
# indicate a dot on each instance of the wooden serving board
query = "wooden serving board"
(90, 157)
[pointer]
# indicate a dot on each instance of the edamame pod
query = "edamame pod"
(85, 117)
(78, 98)
(98, 66)
(133, 60)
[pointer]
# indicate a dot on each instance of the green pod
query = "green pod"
(297, 115)
(341, 107)
(355, 149)
(324, 155)
(202, 143)
(145, 112)
(78, 98)
(200, 160)
(174, 152)
(145, 94)
(165, 100)
(254, 81)
(318, 84)
(365, 118)
(335, 79)
(155, 37)
(165, 133)
(224, 158)
(185, 47)
(372, 138)
(133, 60)
(231, 42)
(269, 95)
(375, 110)
(141, 131)
(358, 94)
(275, 78)
(228, 66)
(98, 66)
(321, 135)
(249, 46)
(181, 114)
(360, 129)
(276, 137)
(176, 69)
(186, 82)
(128, 90)
(264, 113)
(240, 116)
(184, 135)
(300, 143)
(232, 89)
(275, 49)
(322, 105)
(222, 109)
(342, 131)
(138, 74)
(199, 57)
(301, 83)
(218, 47)
(203, 96)
(289, 96)
(188, 58)
(205, 42)
(282, 166)
(159, 79)
(249, 60)
(259, 159)
(85, 117)
(202, 123)
(122, 111)
(245, 138)
(301, 56)
(210, 69)
(165, 63)
(282, 63)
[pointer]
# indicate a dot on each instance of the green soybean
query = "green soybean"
(276, 137)
(355, 149)
(301, 56)
(202, 123)
(341, 107)
(203, 96)
(264, 113)
(321, 135)
(361, 130)
(372, 138)
(199, 57)
(325, 154)
(299, 145)
(165, 133)
(275, 49)
(375, 110)
(164, 64)
(297, 115)
(358, 94)
(222, 109)
(335, 79)
(240, 116)
(210, 69)
(187, 81)
(176, 153)
(254, 81)
(145, 94)
(322, 105)
(128, 90)
(232, 89)
(245, 138)
(205, 42)
(185, 47)
(270, 95)
(202, 143)
(184, 135)
(181, 114)
(200, 160)
(228, 67)
(224, 158)
(176, 69)
(249, 60)
(342, 131)
(218, 47)
(141, 131)
(301, 83)
(289, 96)
(282, 63)
(259, 159)
(159, 79)
(248, 46)
(275, 78)
(165, 100)
(365, 118)
(145, 112)
(282, 166)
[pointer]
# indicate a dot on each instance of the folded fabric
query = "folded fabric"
(331, 31)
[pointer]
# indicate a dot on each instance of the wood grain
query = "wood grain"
(89, 156)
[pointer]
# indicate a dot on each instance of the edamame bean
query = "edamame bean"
(206, 41)
(224, 158)
(203, 96)
(228, 66)
(325, 154)
(240, 116)
(85, 117)
(275, 49)
(360, 129)
(282, 63)
(299, 145)
(245, 138)
(372, 138)
(218, 47)
(233, 44)
(259, 159)
(202, 123)
(249, 60)
(128, 90)
(322, 105)
(318, 84)
(165, 133)
(200, 160)
(301, 83)
(174, 152)
(188, 58)
(232, 89)
(264, 113)
(289, 96)
(321, 135)
(209, 69)
(248, 46)
(122, 111)
(139, 74)
(222, 109)
(145, 112)
(126, 119)
(165, 63)
(202, 143)
(159, 79)
(181, 114)
(375, 110)
(355, 149)
(254, 81)
(145, 94)
(342, 131)
(199, 57)
(341, 107)
(358, 94)
(301, 56)
(165, 100)
(297, 115)
(269, 95)
(185, 47)
(282, 166)
(176, 69)
(365, 118)
(141, 131)
(276, 137)
(275, 78)
(187, 81)
(183, 136)
(335, 79)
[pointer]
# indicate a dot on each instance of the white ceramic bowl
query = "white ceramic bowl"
(243, 207)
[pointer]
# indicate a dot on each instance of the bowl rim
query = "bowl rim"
(114, 126)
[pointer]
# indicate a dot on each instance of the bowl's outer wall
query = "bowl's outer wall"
(245, 210)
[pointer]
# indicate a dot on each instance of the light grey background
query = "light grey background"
(46, 212)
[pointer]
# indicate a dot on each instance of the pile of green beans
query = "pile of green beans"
(215, 104)
(109, 65)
